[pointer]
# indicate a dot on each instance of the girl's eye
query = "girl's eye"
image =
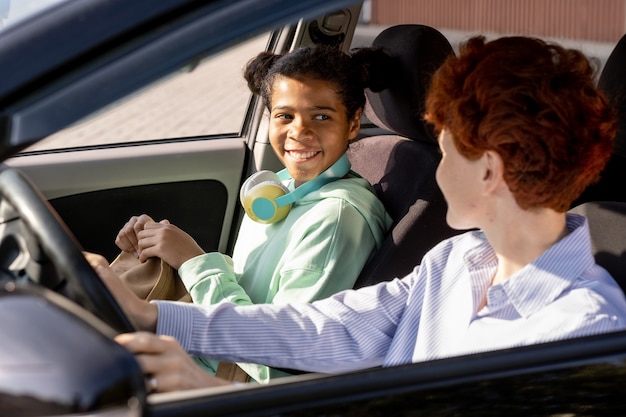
(283, 116)
(322, 117)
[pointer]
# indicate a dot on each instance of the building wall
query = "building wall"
(591, 20)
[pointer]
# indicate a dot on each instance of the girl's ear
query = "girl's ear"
(354, 125)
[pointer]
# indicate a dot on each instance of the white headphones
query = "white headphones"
(266, 200)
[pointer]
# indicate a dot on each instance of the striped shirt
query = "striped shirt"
(431, 313)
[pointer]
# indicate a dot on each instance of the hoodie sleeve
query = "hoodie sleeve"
(210, 279)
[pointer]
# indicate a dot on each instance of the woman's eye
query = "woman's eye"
(322, 117)
(283, 116)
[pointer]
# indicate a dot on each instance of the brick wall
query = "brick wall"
(592, 20)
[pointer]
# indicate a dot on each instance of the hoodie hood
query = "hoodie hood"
(358, 192)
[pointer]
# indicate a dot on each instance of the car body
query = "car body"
(66, 72)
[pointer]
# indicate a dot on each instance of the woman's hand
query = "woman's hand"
(142, 313)
(167, 366)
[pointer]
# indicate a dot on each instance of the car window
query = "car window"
(13, 11)
(210, 98)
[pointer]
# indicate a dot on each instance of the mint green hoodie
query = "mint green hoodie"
(318, 250)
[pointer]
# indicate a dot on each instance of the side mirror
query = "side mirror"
(57, 359)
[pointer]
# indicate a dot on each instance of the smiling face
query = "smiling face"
(309, 129)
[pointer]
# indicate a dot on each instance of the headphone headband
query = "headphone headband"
(266, 200)
(337, 170)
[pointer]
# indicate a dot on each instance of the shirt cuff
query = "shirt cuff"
(175, 319)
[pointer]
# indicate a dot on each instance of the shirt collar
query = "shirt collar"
(481, 254)
(543, 280)
(547, 277)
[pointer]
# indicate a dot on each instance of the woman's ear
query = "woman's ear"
(354, 125)
(494, 171)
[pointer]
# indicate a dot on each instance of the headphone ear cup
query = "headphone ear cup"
(258, 195)
(256, 179)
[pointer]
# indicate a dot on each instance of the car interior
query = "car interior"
(401, 164)
(397, 153)
(612, 82)
(604, 203)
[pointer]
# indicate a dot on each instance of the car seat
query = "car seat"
(613, 82)
(401, 165)
(607, 224)
(604, 204)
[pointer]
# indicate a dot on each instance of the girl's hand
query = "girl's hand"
(168, 242)
(127, 239)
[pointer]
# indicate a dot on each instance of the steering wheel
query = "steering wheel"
(32, 231)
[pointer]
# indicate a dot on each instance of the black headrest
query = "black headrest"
(613, 82)
(419, 51)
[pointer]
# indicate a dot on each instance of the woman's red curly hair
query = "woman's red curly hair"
(536, 105)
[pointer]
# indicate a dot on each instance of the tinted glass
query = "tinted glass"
(210, 98)
(13, 11)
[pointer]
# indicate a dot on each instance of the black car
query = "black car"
(111, 108)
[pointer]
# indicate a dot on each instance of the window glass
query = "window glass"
(208, 99)
(13, 11)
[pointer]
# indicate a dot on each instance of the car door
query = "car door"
(177, 149)
(579, 377)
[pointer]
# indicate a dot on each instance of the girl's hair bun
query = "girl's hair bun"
(377, 67)
(257, 69)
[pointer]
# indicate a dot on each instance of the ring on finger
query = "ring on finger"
(153, 384)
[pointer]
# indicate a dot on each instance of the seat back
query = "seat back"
(401, 165)
(604, 203)
(613, 82)
(607, 224)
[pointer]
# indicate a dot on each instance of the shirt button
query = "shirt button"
(498, 293)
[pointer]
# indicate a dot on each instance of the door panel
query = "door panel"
(584, 390)
(95, 217)
(194, 184)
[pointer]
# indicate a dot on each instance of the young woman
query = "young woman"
(523, 130)
(315, 97)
